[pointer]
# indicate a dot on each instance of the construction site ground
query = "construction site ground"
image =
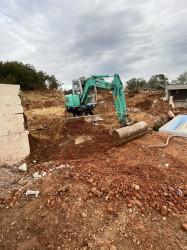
(92, 193)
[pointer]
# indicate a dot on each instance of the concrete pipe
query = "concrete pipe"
(129, 133)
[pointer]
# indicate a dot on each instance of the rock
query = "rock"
(84, 215)
(52, 203)
(184, 226)
(89, 180)
(136, 187)
(164, 218)
(129, 205)
(43, 173)
(14, 198)
(135, 110)
(37, 176)
(166, 165)
(170, 114)
(164, 210)
(90, 245)
(65, 188)
(82, 138)
(17, 193)
(143, 210)
(130, 211)
(22, 181)
(59, 200)
(112, 247)
(110, 210)
(134, 241)
(97, 193)
(90, 195)
(76, 178)
(138, 242)
(138, 203)
(93, 190)
(23, 167)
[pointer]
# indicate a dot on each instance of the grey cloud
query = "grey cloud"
(74, 38)
(98, 32)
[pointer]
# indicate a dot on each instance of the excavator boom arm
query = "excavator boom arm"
(117, 88)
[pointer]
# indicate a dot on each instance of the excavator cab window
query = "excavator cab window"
(77, 88)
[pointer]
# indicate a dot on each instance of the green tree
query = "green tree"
(26, 76)
(181, 79)
(53, 83)
(136, 83)
(157, 80)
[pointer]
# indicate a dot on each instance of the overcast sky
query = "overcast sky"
(73, 38)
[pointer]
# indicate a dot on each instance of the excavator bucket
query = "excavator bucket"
(129, 133)
(87, 118)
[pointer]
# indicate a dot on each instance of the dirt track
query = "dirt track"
(96, 195)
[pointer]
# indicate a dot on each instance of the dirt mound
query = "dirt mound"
(94, 195)
(149, 107)
(104, 201)
(59, 138)
(144, 105)
(41, 107)
(64, 216)
(118, 173)
(46, 104)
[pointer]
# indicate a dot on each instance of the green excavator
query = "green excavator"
(83, 100)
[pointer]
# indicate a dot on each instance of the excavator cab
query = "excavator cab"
(78, 89)
(73, 102)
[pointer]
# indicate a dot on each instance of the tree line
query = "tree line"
(26, 76)
(155, 82)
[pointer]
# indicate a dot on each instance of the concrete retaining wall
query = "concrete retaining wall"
(179, 104)
(14, 144)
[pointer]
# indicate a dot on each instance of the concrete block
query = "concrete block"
(7, 100)
(14, 148)
(14, 143)
(10, 124)
(10, 89)
(11, 109)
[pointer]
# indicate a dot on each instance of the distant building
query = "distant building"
(179, 94)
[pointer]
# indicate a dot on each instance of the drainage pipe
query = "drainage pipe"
(167, 142)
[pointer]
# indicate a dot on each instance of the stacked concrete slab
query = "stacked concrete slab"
(14, 144)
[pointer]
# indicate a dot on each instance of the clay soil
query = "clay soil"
(95, 195)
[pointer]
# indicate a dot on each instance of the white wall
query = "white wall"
(14, 144)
